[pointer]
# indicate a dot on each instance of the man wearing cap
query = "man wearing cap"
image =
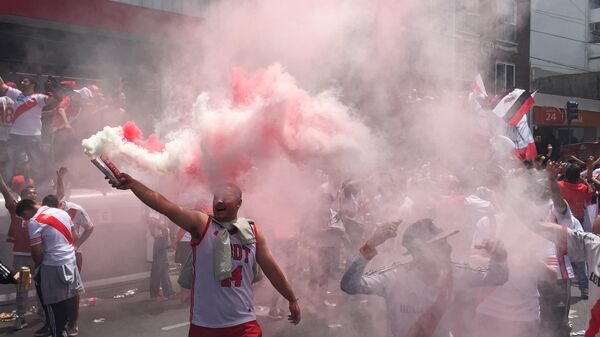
(418, 294)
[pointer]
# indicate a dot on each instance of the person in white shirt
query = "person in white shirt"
(52, 248)
(25, 135)
(83, 227)
(6, 115)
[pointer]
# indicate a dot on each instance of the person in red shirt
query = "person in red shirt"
(18, 235)
(576, 193)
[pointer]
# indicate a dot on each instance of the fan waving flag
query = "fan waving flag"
(514, 106)
(523, 138)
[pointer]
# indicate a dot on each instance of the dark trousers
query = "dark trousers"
(555, 303)
(19, 145)
(74, 312)
(58, 314)
(38, 291)
(159, 274)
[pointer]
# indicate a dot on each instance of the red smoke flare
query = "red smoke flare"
(133, 134)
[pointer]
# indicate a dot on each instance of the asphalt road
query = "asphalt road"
(138, 316)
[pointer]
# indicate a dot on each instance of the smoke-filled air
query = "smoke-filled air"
(395, 179)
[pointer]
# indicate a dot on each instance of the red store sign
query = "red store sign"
(549, 115)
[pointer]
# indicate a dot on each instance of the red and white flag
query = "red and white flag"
(523, 138)
(479, 87)
(513, 106)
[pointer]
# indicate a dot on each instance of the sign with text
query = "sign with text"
(549, 115)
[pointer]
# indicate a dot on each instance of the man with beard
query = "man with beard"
(418, 294)
(226, 252)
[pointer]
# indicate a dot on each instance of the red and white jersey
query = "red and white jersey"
(222, 304)
(81, 220)
(582, 246)
(27, 116)
(7, 112)
(51, 227)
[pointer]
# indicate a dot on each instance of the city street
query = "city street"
(138, 316)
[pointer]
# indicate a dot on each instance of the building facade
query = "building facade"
(492, 39)
(565, 60)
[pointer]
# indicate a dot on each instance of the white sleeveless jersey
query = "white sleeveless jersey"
(222, 304)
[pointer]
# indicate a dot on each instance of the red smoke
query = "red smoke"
(133, 134)
(268, 116)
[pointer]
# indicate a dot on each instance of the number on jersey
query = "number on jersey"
(7, 116)
(236, 278)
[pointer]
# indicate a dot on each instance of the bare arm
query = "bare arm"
(559, 202)
(75, 236)
(550, 231)
(8, 198)
(60, 184)
(276, 276)
(63, 116)
(37, 253)
(192, 221)
(86, 235)
(3, 86)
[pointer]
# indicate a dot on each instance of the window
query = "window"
(467, 63)
(467, 16)
(594, 4)
(505, 76)
(595, 32)
(507, 20)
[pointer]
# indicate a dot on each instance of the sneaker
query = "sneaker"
(20, 323)
(584, 294)
(43, 332)
(74, 331)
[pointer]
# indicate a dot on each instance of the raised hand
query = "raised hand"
(125, 182)
(383, 233)
(61, 172)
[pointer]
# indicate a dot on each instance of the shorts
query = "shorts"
(250, 329)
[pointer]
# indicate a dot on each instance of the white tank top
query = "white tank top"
(222, 304)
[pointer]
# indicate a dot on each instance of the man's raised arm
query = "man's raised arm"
(8, 198)
(550, 231)
(3, 86)
(191, 221)
(557, 199)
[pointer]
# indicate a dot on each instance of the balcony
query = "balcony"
(595, 15)
(594, 51)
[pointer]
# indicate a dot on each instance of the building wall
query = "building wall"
(188, 7)
(505, 45)
(559, 37)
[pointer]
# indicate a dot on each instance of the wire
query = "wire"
(560, 36)
(561, 17)
(558, 63)
(579, 9)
